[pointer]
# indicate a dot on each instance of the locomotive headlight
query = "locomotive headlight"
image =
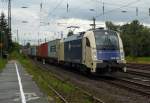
(94, 55)
(122, 58)
(121, 61)
(122, 55)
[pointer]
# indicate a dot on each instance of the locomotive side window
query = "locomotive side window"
(53, 49)
(87, 42)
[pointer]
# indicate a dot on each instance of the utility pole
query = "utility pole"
(45, 40)
(8, 42)
(17, 36)
(149, 11)
(137, 11)
(94, 25)
(67, 7)
(38, 39)
(103, 9)
(61, 34)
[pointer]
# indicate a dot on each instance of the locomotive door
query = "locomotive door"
(87, 58)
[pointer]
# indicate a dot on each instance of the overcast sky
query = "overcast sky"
(51, 18)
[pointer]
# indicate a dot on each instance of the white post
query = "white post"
(43, 61)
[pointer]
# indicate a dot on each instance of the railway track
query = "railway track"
(125, 84)
(64, 100)
(131, 85)
(138, 66)
(57, 93)
(143, 73)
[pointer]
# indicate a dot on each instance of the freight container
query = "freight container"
(38, 51)
(53, 47)
(25, 50)
(61, 51)
(33, 50)
(29, 51)
(43, 50)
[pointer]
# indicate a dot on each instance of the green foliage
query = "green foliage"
(135, 38)
(3, 23)
(1, 37)
(15, 47)
(112, 26)
(4, 34)
(2, 63)
(28, 45)
(70, 33)
(143, 60)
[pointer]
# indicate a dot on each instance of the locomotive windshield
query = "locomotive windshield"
(106, 40)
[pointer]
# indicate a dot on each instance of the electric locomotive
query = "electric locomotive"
(97, 51)
(107, 51)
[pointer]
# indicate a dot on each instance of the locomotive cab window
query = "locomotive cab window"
(106, 40)
(87, 42)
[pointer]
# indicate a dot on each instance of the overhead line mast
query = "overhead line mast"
(9, 41)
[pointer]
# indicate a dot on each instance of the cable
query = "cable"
(144, 18)
(2, 5)
(127, 5)
(118, 8)
(61, 1)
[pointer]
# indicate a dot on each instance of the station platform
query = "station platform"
(17, 86)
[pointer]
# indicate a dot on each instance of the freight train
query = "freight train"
(94, 51)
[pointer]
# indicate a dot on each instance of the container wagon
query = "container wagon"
(53, 51)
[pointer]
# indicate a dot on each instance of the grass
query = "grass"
(44, 78)
(2, 64)
(142, 60)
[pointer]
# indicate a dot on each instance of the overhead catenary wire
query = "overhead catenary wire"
(144, 18)
(58, 5)
(3, 5)
(112, 10)
(52, 12)
(127, 5)
(123, 6)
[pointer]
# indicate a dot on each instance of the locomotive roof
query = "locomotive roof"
(97, 30)
(101, 29)
(74, 37)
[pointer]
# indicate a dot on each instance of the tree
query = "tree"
(135, 36)
(3, 33)
(3, 23)
(28, 44)
(111, 26)
(70, 33)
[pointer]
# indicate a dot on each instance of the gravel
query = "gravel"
(103, 90)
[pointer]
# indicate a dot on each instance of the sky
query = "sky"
(48, 19)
